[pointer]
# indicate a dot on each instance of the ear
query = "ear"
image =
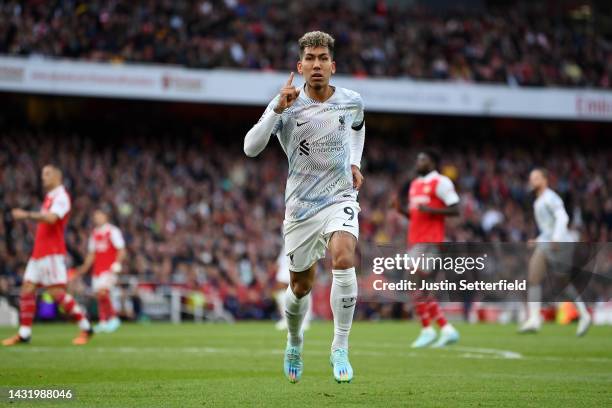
(333, 71)
(299, 67)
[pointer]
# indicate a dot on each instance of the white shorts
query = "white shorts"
(307, 240)
(105, 280)
(49, 270)
(560, 259)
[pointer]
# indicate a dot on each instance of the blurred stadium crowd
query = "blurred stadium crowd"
(197, 213)
(516, 43)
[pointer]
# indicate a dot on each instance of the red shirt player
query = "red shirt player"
(431, 198)
(106, 251)
(47, 267)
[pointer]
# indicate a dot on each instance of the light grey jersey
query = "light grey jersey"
(551, 218)
(316, 137)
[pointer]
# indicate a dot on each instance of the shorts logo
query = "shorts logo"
(304, 148)
(291, 259)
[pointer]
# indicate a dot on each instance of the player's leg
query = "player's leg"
(427, 334)
(280, 290)
(576, 256)
(297, 299)
(304, 247)
(74, 310)
(584, 322)
(343, 298)
(422, 302)
(535, 275)
(102, 312)
(448, 333)
(27, 310)
(109, 322)
(279, 296)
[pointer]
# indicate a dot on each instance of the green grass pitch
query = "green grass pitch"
(210, 365)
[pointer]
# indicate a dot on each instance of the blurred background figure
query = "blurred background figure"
(106, 252)
(551, 253)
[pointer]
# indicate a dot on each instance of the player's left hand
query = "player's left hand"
(19, 214)
(357, 177)
(116, 267)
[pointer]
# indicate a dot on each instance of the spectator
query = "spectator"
(523, 43)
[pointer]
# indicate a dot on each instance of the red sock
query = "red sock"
(102, 310)
(435, 313)
(27, 309)
(70, 306)
(105, 307)
(423, 313)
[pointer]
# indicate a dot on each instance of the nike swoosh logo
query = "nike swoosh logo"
(303, 123)
(346, 307)
(347, 225)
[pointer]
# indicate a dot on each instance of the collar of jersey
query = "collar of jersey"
(103, 228)
(429, 175)
(304, 94)
(56, 190)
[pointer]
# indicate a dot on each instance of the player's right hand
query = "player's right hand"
(288, 95)
(19, 214)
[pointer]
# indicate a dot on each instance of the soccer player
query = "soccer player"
(551, 219)
(106, 251)
(321, 130)
(431, 198)
(282, 282)
(46, 267)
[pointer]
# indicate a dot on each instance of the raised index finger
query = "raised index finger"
(290, 80)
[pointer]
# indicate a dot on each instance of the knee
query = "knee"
(57, 294)
(301, 288)
(342, 260)
(27, 289)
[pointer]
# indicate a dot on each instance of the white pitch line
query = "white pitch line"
(452, 351)
(496, 353)
(173, 350)
(507, 354)
(218, 350)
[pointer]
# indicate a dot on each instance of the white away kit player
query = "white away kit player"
(321, 130)
(552, 220)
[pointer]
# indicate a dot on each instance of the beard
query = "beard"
(317, 86)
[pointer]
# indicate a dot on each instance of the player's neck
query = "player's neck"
(320, 95)
(51, 188)
(540, 190)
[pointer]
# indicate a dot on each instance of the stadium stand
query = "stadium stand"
(516, 43)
